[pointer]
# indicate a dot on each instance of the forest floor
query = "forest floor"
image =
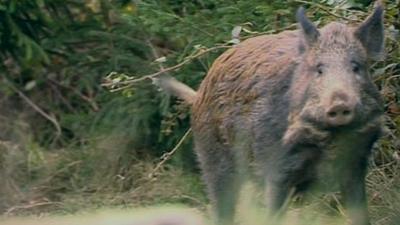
(149, 206)
(172, 196)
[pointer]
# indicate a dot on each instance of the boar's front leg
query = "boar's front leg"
(277, 192)
(353, 171)
(292, 168)
(291, 173)
(354, 194)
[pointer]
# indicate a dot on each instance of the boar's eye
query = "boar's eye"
(319, 68)
(355, 67)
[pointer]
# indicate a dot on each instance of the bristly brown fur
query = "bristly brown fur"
(235, 76)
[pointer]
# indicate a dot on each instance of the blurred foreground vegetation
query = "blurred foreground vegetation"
(68, 144)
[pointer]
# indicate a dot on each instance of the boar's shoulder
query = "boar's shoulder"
(244, 73)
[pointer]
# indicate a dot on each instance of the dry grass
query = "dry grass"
(63, 181)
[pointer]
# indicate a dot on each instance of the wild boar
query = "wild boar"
(298, 105)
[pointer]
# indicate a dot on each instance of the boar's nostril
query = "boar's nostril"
(346, 112)
(332, 114)
(339, 114)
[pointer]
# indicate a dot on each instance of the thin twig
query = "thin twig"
(129, 82)
(155, 53)
(274, 31)
(327, 10)
(47, 116)
(168, 155)
(29, 206)
(89, 100)
(62, 98)
(62, 170)
(200, 204)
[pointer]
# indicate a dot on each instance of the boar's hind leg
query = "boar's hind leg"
(218, 165)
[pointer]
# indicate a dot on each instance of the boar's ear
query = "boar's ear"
(308, 30)
(371, 33)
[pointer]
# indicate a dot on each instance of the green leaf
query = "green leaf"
(30, 85)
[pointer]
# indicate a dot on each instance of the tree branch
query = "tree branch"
(132, 80)
(47, 116)
(168, 155)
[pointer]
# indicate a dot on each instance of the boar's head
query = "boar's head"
(332, 87)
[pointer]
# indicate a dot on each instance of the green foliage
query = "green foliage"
(22, 25)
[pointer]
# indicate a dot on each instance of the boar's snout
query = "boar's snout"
(341, 110)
